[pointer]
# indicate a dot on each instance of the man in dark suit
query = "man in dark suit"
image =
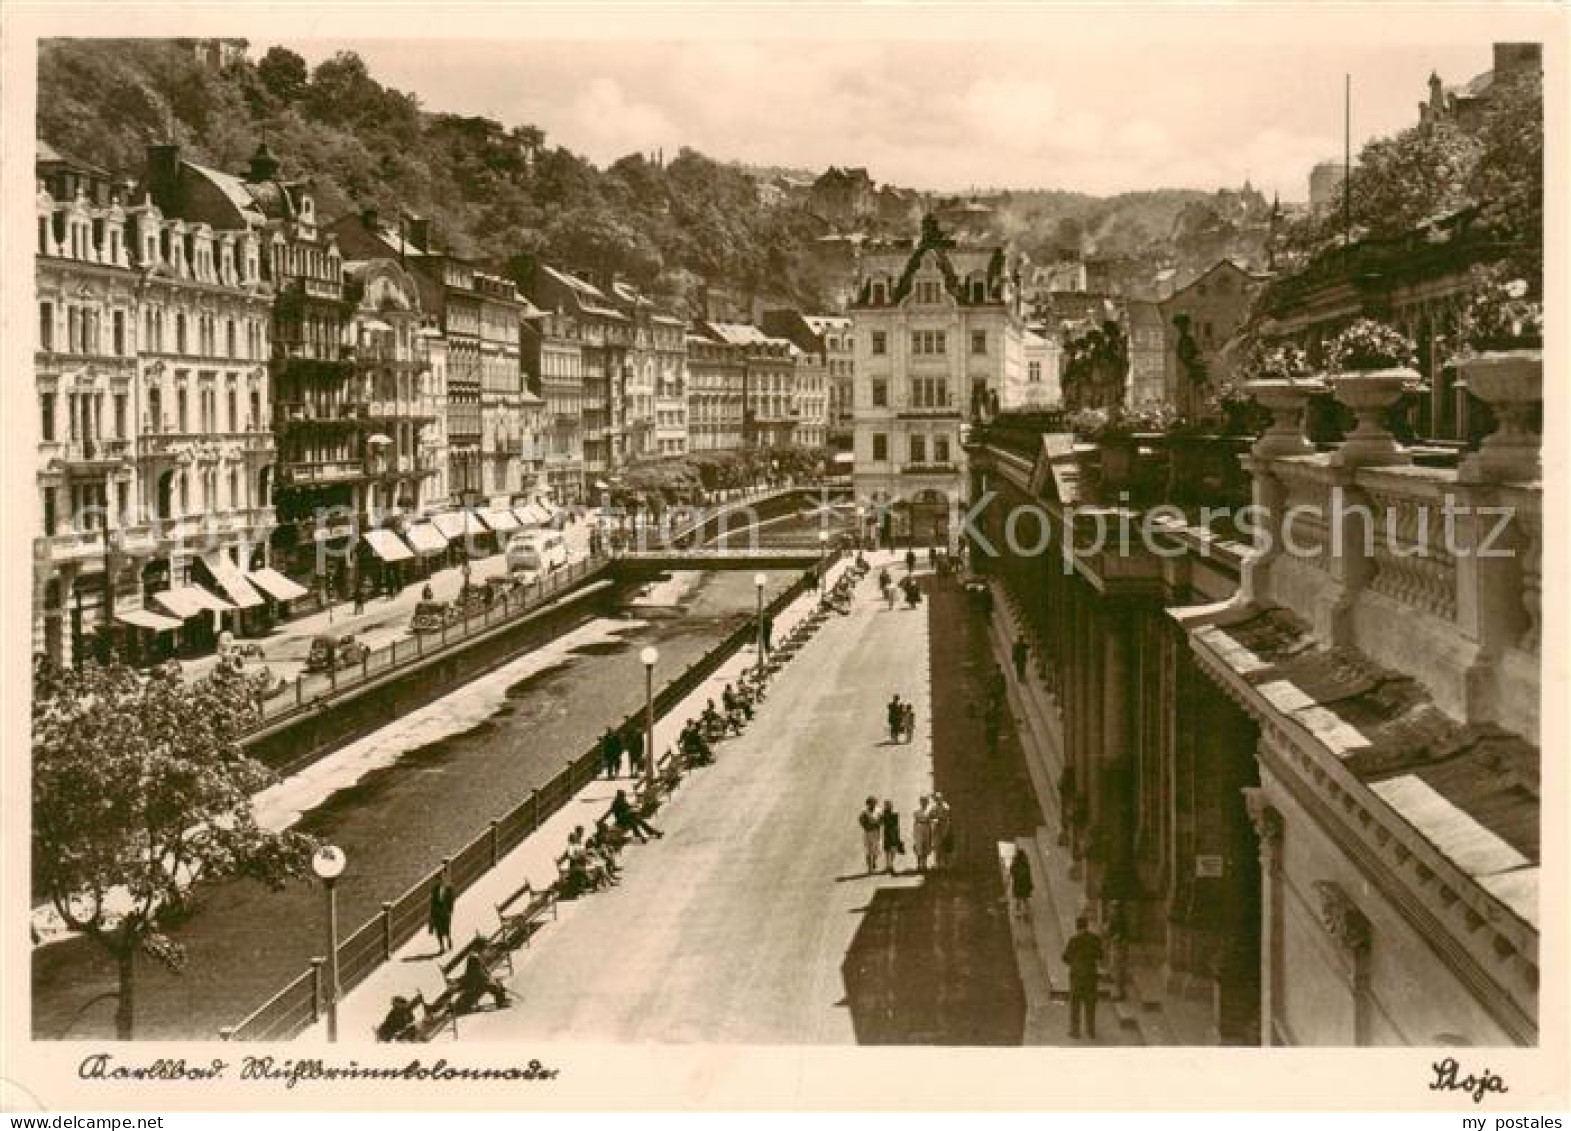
(1083, 956)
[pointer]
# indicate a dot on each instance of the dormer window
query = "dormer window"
(928, 291)
(880, 293)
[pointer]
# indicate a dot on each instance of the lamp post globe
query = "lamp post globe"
(329, 863)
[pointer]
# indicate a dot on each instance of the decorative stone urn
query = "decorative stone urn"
(1286, 401)
(1369, 393)
(1511, 383)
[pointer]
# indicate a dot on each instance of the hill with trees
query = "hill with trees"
(492, 192)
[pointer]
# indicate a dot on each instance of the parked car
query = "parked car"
(430, 616)
(330, 653)
(539, 550)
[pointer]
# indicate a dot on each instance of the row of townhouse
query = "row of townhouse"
(227, 383)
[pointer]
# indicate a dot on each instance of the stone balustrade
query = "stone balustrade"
(1428, 571)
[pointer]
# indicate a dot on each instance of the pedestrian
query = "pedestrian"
(628, 820)
(426, 594)
(895, 714)
(475, 983)
(1083, 956)
(634, 746)
(443, 900)
(943, 832)
(1022, 653)
(611, 754)
(1020, 886)
(360, 598)
(769, 634)
(889, 596)
(872, 831)
(922, 834)
(908, 721)
(893, 844)
(910, 561)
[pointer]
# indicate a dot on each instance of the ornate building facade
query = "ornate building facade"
(155, 456)
(555, 362)
(938, 328)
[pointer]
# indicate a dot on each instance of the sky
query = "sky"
(1038, 109)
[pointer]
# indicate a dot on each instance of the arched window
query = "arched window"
(180, 332)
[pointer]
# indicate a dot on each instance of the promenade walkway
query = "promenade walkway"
(754, 920)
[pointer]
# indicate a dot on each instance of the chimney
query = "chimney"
(264, 166)
(418, 232)
(163, 175)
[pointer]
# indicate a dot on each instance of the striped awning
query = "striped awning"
(532, 515)
(187, 601)
(388, 546)
(228, 577)
(456, 524)
(500, 519)
(145, 618)
(275, 584)
(425, 538)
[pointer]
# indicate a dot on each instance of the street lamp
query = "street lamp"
(328, 864)
(823, 549)
(649, 657)
(759, 581)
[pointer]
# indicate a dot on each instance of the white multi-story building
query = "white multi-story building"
(155, 454)
(939, 332)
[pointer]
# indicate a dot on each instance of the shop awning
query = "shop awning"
(388, 546)
(531, 515)
(144, 618)
(500, 520)
(275, 584)
(455, 524)
(229, 578)
(425, 538)
(187, 601)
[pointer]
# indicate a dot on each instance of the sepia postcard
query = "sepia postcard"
(784, 557)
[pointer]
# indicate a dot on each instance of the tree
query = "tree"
(283, 73)
(140, 789)
(1508, 181)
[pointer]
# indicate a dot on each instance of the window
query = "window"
(880, 393)
(51, 518)
(928, 291)
(940, 449)
(46, 406)
(1034, 372)
(928, 343)
(234, 415)
(180, 412)
(255, 423)
(180, 335)
(880, 343)
(46, 326)
(880, 446)
(120, 431)
(229, 339)
(918, 449)
(978, 341)
(119, 333)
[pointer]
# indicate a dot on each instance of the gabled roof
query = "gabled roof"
(237, 192)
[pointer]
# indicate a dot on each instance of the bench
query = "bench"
(518, 913)
(442, 1012)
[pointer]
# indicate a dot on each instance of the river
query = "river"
(397, 801)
